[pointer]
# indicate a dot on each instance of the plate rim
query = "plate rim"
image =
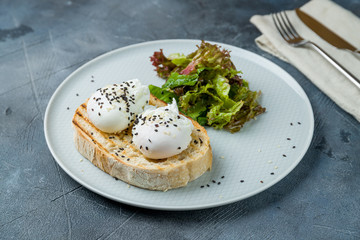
(174, 207)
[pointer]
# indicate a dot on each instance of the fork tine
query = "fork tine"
(289, 29)
(292, 29)
(279, 27)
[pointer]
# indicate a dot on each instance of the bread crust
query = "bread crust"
(139, 171)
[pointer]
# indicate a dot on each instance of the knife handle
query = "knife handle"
(337, 65)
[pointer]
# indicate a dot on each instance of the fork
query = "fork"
(290, 35)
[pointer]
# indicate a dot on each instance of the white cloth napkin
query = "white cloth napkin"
(309, 62)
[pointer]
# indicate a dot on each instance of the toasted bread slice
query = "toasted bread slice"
(116, 155)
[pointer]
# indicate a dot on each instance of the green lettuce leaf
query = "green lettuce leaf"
(179, 59)
(163, 94)
(202, 121)
(176, 80)
(221, 86)
(218, 117)
(250, 110)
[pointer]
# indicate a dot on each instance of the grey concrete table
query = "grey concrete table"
(42, 42)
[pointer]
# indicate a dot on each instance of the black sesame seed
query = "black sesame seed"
(272, 173)
(136, 134)
(179, 147)
(156, 130)
(198, 130)
(222, 176)
(92, 133)
(200, 140)
(202, 186)
(262, 181)
(213, 181)
(92, 109)
(299, 123)
(99, 114)
(123, 156)
(149, 140)
(77, 94)
(146, 148)
(92, 80)
(167, 125)
(291, 124)
(67, 108)
(284, 155)
(178, 117)
(294, 147)
(241, 181)
(128, 159)
(207, 185)
(175, 125)
(195, 141)
(140, 146)
(219, 183)
(288, 138)
(116, 154)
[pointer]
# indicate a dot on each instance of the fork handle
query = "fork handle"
(337, 65)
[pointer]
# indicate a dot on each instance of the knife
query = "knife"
(325, 33)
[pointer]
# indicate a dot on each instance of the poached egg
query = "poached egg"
(113, 108)
(162, 132)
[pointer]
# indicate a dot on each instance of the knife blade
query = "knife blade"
(324, 32)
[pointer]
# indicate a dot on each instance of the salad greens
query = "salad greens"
(207, 87)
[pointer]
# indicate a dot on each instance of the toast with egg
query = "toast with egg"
(116, 154)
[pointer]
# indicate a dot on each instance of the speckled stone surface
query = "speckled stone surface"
(42, 42)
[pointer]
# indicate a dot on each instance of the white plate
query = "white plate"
(252, 160)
